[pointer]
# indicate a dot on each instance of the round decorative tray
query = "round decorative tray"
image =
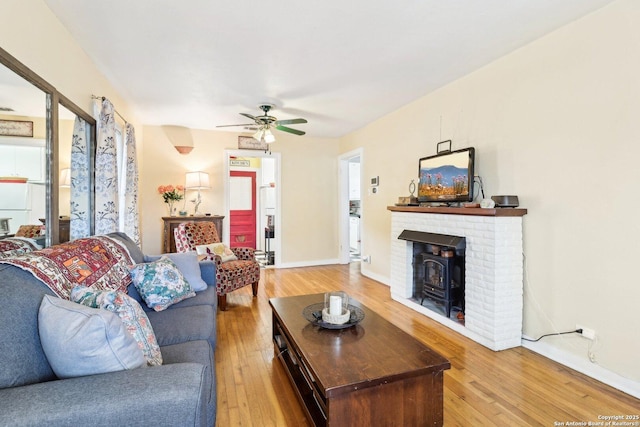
(313, 313)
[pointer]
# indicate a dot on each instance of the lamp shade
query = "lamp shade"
(65, 177)
(197, 180)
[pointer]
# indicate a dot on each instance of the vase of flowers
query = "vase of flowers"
(171, 194)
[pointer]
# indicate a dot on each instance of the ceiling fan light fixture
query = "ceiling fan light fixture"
(258, 135)
(265, 122)
(268, 137)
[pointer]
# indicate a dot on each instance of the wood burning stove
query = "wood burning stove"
(438, 268)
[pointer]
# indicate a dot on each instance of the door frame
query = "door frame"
(343, 205)
(228, 154)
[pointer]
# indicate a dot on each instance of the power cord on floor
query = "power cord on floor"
(576, 331)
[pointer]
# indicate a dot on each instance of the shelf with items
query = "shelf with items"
(269, 234)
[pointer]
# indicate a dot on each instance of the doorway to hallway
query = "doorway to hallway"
(263, 217)
(350, 215)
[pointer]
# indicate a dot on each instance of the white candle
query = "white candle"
(335, 305)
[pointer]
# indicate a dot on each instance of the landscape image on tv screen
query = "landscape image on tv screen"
(445, 177)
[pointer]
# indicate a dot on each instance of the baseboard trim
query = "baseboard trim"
(308, 263)
(584, 366)
(378, 278)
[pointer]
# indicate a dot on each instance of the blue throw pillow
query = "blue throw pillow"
(187, 263)
(79, 340)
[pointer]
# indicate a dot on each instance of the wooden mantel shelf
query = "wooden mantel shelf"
(460, 211)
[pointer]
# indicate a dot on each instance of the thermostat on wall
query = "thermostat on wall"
(374, 181)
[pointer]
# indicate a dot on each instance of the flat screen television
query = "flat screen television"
(446, 177)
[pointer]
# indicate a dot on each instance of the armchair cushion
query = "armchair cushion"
(160, 283)
(79, 340)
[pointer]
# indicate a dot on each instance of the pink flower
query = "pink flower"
(170, 193)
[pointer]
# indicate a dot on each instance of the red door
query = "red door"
(242, 209)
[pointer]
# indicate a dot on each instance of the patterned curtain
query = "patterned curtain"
(80, 181)
(106, 172)
(132, 219)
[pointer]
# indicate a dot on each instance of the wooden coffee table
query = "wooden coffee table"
(372, 373)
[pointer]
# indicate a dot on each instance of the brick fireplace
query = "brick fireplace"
(493, 268)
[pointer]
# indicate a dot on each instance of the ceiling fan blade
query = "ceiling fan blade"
(226, 126)
(293, 131)
(291, 122)
(249, 116)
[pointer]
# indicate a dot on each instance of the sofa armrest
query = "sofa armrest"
(161, 395)
(208, 272)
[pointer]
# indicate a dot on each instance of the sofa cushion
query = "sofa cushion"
(187, 263)
(23, 360)
(160, 283)
(131, 314)
(168, 395)
(80, 340)
(179, 325)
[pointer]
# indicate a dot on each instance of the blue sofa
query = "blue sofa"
(180, 392)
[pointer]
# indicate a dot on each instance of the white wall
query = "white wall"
(556, 123)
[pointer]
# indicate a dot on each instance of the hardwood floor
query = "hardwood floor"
(514, 387)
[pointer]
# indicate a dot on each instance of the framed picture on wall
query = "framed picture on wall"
(249, 143)
(16, 128)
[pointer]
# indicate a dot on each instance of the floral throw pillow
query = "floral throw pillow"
(219, 249)
(160, 283)
(130, 313)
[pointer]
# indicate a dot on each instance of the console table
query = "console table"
(372, 373)
(171, 222)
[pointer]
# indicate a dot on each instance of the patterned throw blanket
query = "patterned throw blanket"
(16, 245)
(98, 262)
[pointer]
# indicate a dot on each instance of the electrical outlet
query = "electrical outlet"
(589, 334)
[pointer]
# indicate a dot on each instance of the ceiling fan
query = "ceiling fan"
(264, 123)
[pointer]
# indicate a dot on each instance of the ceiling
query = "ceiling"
(339, 64)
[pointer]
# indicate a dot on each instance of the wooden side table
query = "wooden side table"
(64, 229)
(171, 222)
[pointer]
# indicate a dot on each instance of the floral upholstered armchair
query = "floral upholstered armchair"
(235, 267)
